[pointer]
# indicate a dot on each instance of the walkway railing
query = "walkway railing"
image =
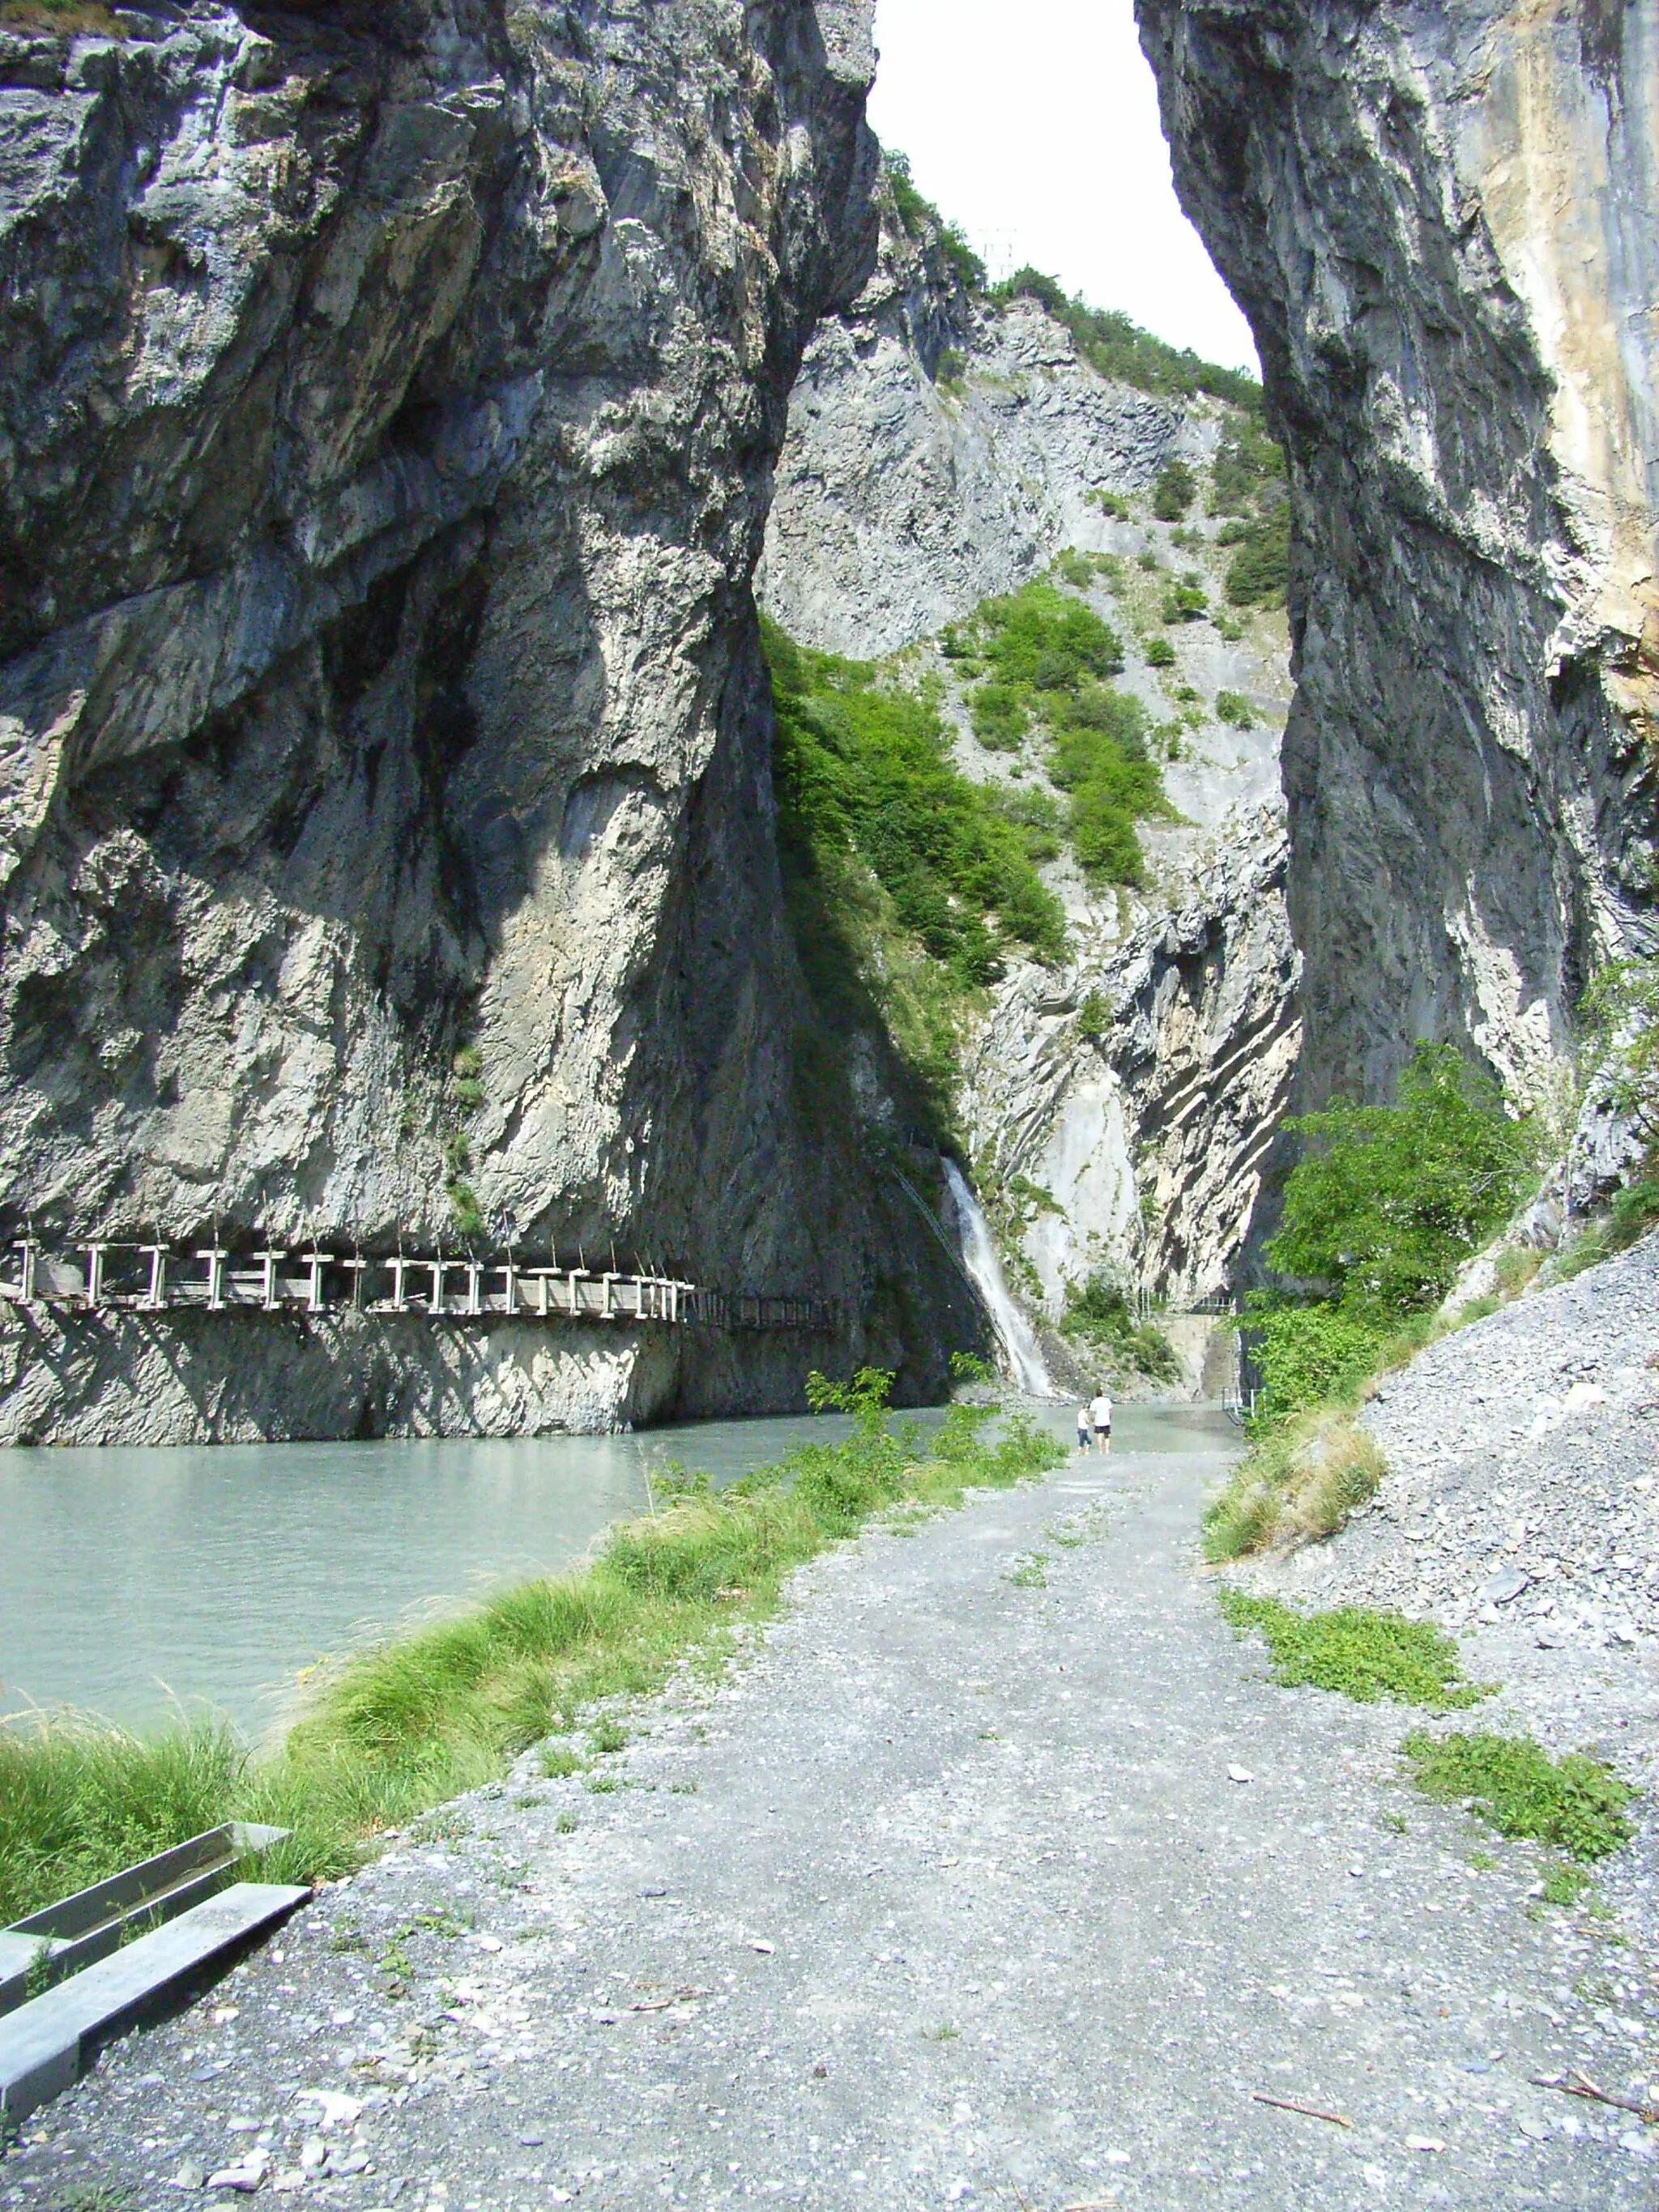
(159, 1277)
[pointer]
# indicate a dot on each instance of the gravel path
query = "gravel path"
(977, 1882)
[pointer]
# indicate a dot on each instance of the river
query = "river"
(134, 1583)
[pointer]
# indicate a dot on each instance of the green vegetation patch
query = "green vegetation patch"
(1097, 1314)
(1575, 1802)
(1247, 482)
(865, 766)
(906, 883)
(1118, 348)
(1364, 1655)
(1233, 706)
(1186, 601)
(411, 1723)
(921, 222)
(1299, 1482)
(1564, 1883)
(1259, 573)
(1386, 1206)
(1174, 492)
(1045, 657)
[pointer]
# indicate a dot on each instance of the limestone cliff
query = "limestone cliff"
(905, 494)
(1444, 224)
(940, 448)
(388, 396)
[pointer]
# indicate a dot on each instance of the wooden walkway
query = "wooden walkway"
(158, 1278)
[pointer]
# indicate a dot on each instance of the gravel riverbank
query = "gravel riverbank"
(995, 1873)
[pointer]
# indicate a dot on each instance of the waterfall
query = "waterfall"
(1021, 1358)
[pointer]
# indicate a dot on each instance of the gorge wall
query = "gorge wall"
(388, 397)
(1443, 222)
(942, 448)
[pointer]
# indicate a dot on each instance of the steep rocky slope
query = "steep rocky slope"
(940, 449)
(906, 492)
(388, 402)
(1441, 222)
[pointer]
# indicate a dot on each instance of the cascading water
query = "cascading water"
(1021, 1358)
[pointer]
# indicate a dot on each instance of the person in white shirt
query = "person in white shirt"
(1100, 1413)
(1084, 1428)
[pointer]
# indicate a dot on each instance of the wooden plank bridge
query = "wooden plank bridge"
(104, 1275)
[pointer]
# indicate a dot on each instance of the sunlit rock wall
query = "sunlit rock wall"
(1444, 224)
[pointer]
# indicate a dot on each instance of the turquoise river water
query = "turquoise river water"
(137, 1583)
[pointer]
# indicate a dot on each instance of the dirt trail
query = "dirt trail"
(946, 1896)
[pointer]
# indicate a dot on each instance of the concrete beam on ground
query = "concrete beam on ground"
(46, 2044)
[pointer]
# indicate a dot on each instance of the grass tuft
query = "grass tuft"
(1564, 1883)
(1574, 1802)
(64, 17)
(409, 1723)
(1364, 1655)
(1297, 1484)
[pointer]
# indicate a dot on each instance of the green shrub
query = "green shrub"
(921, 221)
(1309, 1352)
(1621, 1008)
(1575, 1803)
(1160, 653)
(1109, 780)
(1391, 1200)
(1246, 464)
(1081, 570)
(1047, 655)
(1110, 502)
(1001, 721)
(1036, 814)
(1259, 573)
(1361, 1654)
(1094, 1018)
(1185, 603)
(951, 367)
(1174, 491)
(1233, 706)
(864, 768)
(1097, 1314)
(1040, 625)
(1564, 1883)
(1377, 1221)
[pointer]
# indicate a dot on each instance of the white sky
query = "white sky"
(1035, 125)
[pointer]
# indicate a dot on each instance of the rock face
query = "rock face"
(905, 496)
(1138, 1093)
(1443, 225)
(1147, 1121)
(388, 395)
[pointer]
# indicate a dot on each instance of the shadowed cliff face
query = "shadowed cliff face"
(1444, 224)
(388, 396)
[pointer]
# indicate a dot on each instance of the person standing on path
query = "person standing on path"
(1100, 1413)
(1085, 1427)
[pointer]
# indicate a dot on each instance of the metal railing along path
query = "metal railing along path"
(108, 1275)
